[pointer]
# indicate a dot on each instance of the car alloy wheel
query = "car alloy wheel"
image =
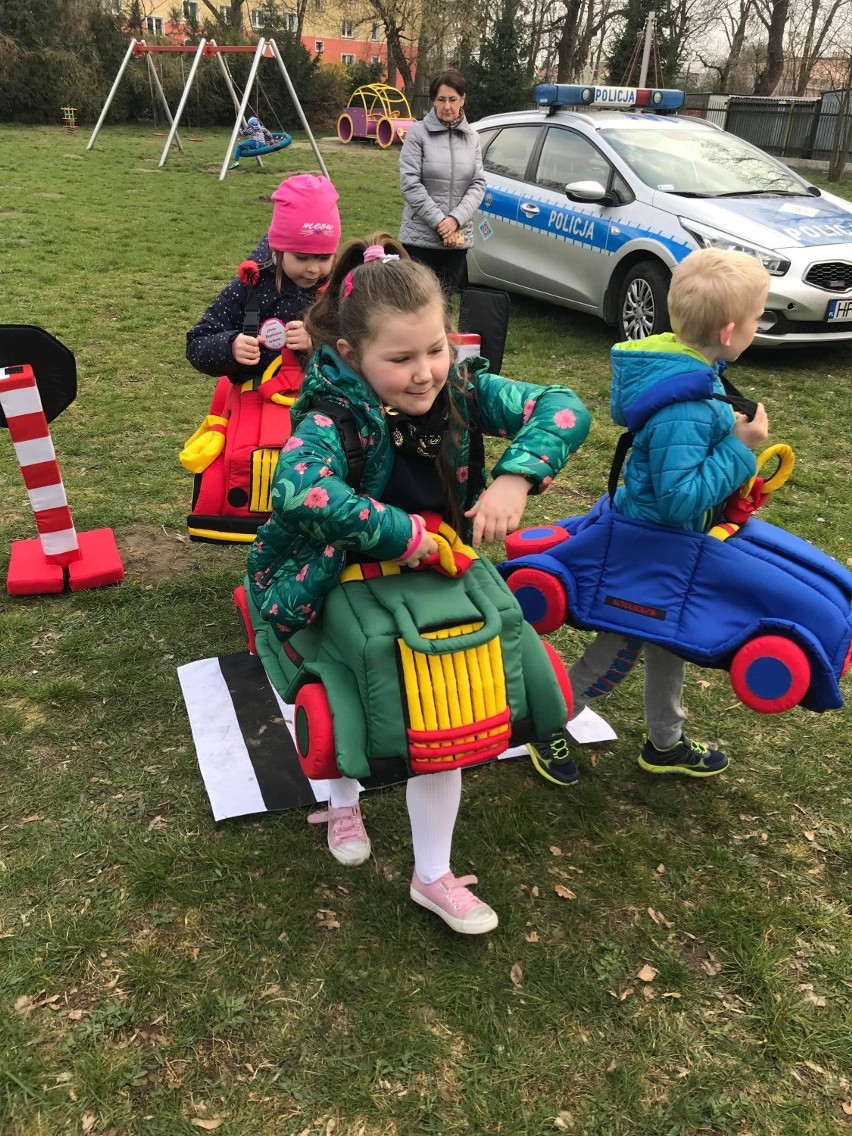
(642, 308)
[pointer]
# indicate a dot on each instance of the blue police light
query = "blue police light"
(554, 95)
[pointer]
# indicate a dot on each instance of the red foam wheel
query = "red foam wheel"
(241, 604)
(770, 674)
(526, 542)
(315, 732)
(561, 676)
(542, 598)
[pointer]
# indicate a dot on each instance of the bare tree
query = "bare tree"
(734, 19)
(773, 16)
(814, 28)
(843, 128)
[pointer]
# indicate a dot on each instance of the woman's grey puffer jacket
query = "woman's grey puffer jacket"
(440, 175)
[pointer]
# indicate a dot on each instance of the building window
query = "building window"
(347, 60)
(225, 13)
(115, 7)
(319, 46)
(292, 22)
(190, 11)
(154, 25)
(347, 29)
(374, 34)
(376, 60)
(318, 5)
(257, 20)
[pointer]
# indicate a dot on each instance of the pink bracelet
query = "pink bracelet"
(417, 527)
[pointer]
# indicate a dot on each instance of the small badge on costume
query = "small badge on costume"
(273, 333)
(486, 230)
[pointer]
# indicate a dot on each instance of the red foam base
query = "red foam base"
(99, 563)
(31, 574)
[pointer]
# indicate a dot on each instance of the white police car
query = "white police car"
(592, 209)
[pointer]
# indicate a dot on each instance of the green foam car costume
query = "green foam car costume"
(439, 670)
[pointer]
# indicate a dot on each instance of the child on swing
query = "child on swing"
(383, 353)
(294, 260)
(257, 137)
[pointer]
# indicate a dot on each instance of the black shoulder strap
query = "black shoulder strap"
(251, 316)
(350, 440)
(621, 447)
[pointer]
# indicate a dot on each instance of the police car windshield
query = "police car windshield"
(700, 162)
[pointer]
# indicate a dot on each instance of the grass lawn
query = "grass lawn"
(162, 975)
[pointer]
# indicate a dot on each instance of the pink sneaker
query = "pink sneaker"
(348, 841)
(456, 905)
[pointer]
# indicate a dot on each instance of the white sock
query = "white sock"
(433, 804)
(343, 792)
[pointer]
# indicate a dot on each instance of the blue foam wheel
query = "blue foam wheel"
(542, 598)
(526, 542)
(770, 674)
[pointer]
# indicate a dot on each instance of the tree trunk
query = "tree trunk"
(770, 76)
(842, 130)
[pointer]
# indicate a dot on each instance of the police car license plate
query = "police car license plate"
(839, 310)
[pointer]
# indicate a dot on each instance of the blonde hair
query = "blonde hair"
(711, 288)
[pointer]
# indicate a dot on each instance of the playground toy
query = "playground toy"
(434, 668)
(234, 451)
(378, 111)
(69, 118)
(208, 48)
(746, 597)
(31, 395)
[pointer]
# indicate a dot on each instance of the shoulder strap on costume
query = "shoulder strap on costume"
(350, 439)
(688, 386)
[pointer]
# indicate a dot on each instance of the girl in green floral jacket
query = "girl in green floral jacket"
(386, 358)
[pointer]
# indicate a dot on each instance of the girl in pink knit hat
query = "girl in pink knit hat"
(290, 265)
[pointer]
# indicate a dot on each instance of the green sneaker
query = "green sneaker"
(693, 759)
(552, 759)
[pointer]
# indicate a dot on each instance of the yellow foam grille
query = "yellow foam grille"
(458, 689)
(263, 463)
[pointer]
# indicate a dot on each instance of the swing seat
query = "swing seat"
(284, 140)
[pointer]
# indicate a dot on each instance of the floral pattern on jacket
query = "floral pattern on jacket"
(317, 517)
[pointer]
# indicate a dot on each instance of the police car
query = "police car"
(591, 209)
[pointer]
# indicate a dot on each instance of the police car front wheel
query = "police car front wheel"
(642, 307)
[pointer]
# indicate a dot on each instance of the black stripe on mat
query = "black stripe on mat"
(270, 744)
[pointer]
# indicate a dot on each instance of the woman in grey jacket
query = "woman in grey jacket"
(442, 181)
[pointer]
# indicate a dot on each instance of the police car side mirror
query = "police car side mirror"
(589, 192)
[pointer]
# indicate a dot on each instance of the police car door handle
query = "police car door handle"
(529, 209)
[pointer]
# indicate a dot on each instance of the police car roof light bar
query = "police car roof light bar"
(554, 95)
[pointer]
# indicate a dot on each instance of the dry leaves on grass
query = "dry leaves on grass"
(208, 1125)
(517, 975)
(327, 920)
(564, 892)
(88, 1121)
(810, 995)
(648, 973)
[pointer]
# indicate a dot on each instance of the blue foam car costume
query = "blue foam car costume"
(750, 598)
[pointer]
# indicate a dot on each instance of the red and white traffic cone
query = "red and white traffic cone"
(60, 555)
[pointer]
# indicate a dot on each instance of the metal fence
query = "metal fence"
(788, 127)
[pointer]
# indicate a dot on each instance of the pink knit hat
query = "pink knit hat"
(305, 217)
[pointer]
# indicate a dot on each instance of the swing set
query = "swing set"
(266, 48)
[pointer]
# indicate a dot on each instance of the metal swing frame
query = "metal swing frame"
(265, 48)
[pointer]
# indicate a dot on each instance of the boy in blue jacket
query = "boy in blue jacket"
(685, 462)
